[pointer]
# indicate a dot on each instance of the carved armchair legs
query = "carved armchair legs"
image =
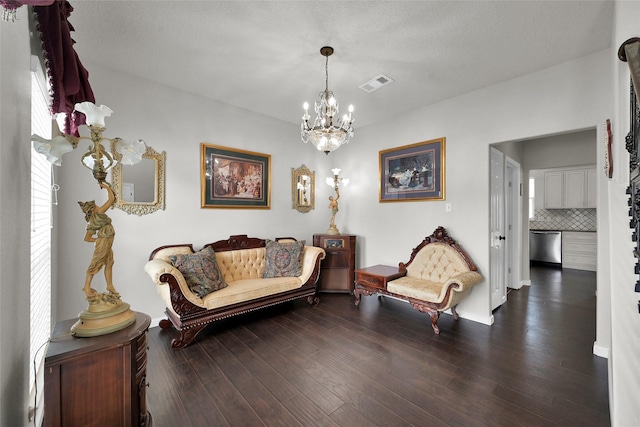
(433, 314)
(421, 306)
(358, 292)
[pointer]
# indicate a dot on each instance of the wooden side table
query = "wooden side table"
(97, 381)
(373, 280)
(337, 268)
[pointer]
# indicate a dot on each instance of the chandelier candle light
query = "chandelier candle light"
(325, 135)
(106, 312)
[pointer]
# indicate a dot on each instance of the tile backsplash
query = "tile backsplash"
(564, 219)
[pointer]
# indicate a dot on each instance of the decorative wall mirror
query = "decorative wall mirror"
(139, 188)
(303, 189)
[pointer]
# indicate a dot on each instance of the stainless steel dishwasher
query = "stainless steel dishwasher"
(545, 246)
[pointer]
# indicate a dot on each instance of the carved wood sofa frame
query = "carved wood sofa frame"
(457, 287)
(191, 318)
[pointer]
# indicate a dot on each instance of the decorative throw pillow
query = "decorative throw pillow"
(283, 259)
(200, 271)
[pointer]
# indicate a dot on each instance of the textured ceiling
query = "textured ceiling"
(264, 55)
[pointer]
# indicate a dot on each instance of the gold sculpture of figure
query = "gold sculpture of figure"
(101, 232)
(106, 312)
(333, 205)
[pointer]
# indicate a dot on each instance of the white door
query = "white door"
(498, 239)
(513, 208)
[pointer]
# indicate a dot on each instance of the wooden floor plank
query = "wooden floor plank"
(193, 396)
(306, 384)
(372, 400)
(307, 413)
(268, 408)
(233, 406)
(233, 369)
(261, 370)
(348, 416)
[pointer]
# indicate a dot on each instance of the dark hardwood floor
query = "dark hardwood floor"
(382, 365)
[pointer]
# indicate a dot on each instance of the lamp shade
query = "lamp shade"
(52, 148)
(94, 115)
(131, 151)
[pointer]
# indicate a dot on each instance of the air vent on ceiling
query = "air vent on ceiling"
(376, 83)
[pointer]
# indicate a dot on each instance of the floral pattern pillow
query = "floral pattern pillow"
(283, 259)
(200, 271)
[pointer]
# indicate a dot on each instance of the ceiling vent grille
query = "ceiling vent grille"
(376, 83)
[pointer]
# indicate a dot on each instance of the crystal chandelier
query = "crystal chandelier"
(326, 135)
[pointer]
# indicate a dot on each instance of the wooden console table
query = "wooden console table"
(372, 280)
(336, 270)
(97, 381)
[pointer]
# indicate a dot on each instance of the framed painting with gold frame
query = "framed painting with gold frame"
(413, 172)
(233, 178)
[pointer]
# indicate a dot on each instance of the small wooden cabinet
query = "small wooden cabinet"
(337, 268)
(97, 381)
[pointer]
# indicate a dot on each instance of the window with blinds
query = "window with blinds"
(41, 224)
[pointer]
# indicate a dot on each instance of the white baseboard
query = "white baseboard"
(475, 318)
(156, 322)
(526, 283)
(600, 351)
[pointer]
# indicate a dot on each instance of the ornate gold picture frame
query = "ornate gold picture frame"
(413, 172)
(233, 178)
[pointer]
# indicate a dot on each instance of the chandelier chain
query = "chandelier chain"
(326, 74)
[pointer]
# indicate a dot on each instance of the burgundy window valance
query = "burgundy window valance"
(68, 78)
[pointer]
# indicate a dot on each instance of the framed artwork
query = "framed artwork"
(233, 178)
(413, 172)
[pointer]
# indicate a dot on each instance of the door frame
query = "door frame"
(513, 217)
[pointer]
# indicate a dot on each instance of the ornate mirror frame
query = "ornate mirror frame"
(303, 189)
(140, 208)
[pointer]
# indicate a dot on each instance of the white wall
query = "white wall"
(514, 110)
(15, 184)
(177, 122)
(573, 149)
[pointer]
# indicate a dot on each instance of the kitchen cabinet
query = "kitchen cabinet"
(553, 190)
(579, 250)
(570, 188)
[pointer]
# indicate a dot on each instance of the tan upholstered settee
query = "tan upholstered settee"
(436, 278)
(241, 262)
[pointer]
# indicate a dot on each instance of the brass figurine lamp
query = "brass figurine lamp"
(106, 312)
(335, 182)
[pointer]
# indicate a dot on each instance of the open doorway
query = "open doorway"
(558, 151)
